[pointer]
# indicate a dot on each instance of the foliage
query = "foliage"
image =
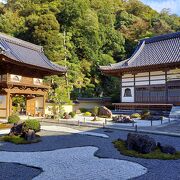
(72, 114)
(135, 115)
(95, 111)
(13, 119)
(95, 33)
(145, 114)
(156, 154)
(18, 140)
(32, 124)
(83, 110)
(87, 114)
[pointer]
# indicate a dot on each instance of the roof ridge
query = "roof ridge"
(20, 42)
(161, 37)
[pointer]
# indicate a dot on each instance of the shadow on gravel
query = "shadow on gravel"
(58, 140)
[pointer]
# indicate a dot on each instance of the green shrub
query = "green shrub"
(156, 154)
(72, 114)
(145, 114)
(18, 139)
(95, 111)
(87, 114)
(135, 115)
(13, 119)
(32, 124)
(83, 110)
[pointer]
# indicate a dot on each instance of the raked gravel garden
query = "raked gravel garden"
(82, 153)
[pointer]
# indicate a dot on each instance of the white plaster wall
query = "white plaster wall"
(128, 99)
(142, 74)
(127, 75)
(174, 71)
(157, 73)
(127, 79)
(158, 82)
(160, 77)
(128, 84)
(142, 83)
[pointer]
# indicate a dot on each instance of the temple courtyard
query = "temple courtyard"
(73, 152)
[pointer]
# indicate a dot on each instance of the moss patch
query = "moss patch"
(157, 154)
(18, 139)
(5, 126)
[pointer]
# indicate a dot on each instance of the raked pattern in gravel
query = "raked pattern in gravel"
(73, 131)
(75, 164)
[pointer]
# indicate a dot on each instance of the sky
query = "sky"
(158, 5)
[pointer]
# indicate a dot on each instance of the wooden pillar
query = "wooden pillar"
(166, 87)
(10, 105)
(149, 99)
(7, 103)
(44, 104)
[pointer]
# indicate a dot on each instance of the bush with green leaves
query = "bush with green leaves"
(87, 114)
(83, 110)
(72, 114)
(145, 114)
(13, 119)
(135, 115)
(95, 111)
(33, 124)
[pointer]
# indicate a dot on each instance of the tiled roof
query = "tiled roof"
(162, 49)
(27, 53)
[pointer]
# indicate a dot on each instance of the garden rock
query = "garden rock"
(17, 129)
(30, 135)
(123, 119)
(140, 143)
(104, 111)
(167, 149)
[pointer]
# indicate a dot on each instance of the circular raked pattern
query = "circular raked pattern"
(75, 163)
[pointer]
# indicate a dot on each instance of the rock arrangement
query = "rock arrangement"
(145, 144)
(19, 130)
(104, 111)
(123, 119)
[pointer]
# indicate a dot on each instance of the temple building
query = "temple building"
(151, 76)
(23, 66)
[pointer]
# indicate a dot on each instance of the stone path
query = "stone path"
(75, 164)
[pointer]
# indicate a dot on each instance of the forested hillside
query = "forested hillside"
(87, 33)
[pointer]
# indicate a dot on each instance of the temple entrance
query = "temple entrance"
(19, 104)
(30, 105)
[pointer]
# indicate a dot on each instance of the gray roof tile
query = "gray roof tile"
(162, 49)
(27, 53)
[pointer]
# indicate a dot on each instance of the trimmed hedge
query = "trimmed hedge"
(135, 115)
(87, 114)
(72, 114)
(33, 124)
(13, 119)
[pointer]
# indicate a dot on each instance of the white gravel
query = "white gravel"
(73, 131)
(75, 164)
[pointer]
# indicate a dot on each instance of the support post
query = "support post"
(7, 104)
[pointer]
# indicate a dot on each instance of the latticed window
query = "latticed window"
(127, 92)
